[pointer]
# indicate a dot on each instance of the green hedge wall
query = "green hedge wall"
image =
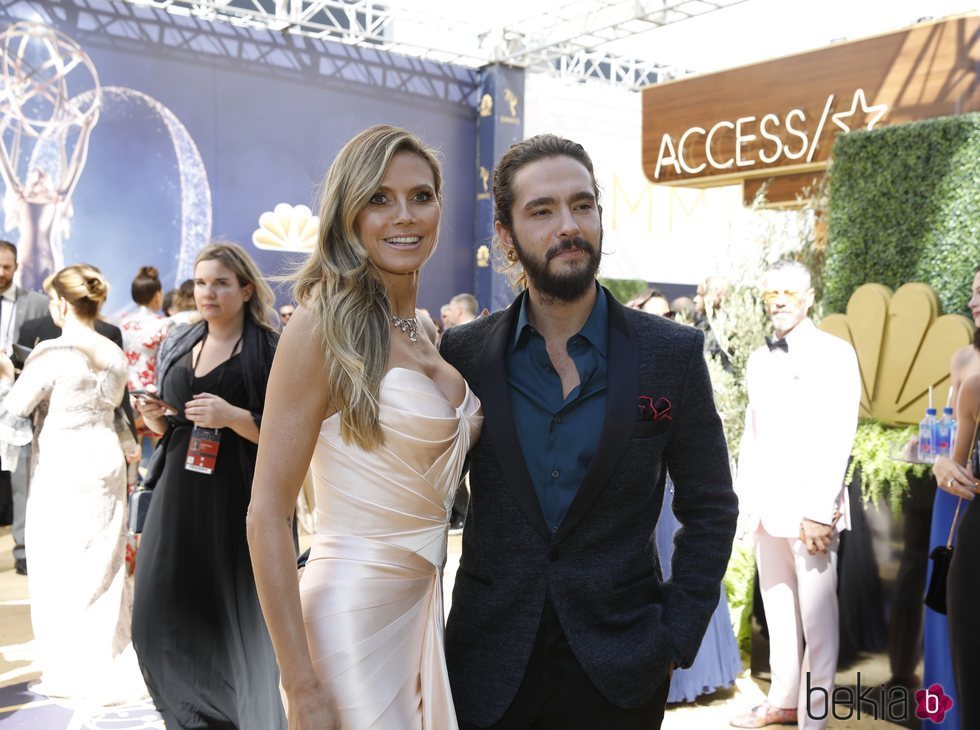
(905, 206)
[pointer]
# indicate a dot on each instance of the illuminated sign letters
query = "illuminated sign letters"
(753, 140)
(781, 117)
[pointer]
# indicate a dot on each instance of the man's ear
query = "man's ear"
(808, 300)
(503, 235)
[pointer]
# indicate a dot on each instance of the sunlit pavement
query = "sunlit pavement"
(21, 710)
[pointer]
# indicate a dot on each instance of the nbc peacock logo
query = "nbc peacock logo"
(903, 343)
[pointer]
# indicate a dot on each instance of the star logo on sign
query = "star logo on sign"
(877, 111)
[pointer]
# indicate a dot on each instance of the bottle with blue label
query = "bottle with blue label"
(945, 430)
(927, 437)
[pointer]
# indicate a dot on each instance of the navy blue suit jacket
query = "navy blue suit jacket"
(601, 569)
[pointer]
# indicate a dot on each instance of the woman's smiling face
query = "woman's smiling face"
(399, 226)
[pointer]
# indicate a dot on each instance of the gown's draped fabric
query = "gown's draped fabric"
(81, 598)
(718, 661)
(372, 589)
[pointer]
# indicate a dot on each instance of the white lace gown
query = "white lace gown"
(81, 598)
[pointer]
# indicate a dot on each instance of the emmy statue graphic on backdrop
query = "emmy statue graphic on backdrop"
(49, 104)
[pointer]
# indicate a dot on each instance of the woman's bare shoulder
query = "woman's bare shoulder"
(963, 358)
(301, 352)
(971, 387)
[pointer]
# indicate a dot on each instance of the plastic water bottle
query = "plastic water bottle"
(944, 432)
(952, 437)
(927, 437)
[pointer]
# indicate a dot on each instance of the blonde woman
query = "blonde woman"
(360, 391)
(197, 625)
(81, 602)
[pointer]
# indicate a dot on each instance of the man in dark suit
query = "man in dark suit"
(44, 328)
(560, 617)
(16, 306)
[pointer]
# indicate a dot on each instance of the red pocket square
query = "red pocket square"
(649, 409)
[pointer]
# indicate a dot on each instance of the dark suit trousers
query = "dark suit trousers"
(557, 694)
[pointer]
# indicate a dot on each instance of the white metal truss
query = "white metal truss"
(565, 41)
(606, 68)
(353, 22)
(586, 25)
(115, 25)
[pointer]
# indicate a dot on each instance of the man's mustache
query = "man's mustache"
(570, 244)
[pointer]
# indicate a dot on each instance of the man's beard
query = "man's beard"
(567, 286)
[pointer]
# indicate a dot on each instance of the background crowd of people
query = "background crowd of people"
(360, 396)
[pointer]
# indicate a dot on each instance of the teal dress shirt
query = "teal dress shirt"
(558, 435)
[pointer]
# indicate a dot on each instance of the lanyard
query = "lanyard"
(200, 352)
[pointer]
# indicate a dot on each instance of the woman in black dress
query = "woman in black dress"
(961, 479)
(197, 627)
(962, 589)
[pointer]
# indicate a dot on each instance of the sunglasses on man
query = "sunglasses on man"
(770, 296)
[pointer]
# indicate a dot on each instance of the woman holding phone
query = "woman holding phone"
(197, 626)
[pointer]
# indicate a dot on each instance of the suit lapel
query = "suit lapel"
(622, 395)
(19, 311)
(499, 418)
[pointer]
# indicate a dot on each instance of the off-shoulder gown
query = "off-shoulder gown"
(372, 589)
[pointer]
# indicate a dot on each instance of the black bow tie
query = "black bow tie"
(779, 344)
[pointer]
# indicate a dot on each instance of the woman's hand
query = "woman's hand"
(154, 413)
(954, 478)
(6, 368)
(210, 411)
(312, 709)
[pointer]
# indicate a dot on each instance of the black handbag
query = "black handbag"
(942, 556)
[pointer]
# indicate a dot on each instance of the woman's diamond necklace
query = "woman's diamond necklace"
(409, 326)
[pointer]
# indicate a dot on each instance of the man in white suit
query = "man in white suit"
(16, 306)
(804, 391)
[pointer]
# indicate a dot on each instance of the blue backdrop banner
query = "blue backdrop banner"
(170, 132)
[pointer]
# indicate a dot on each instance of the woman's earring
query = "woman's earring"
(511, 255)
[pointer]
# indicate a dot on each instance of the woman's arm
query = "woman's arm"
(212, 411)
(952, 474)
(295, 406)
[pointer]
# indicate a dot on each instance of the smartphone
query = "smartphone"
(147, 395)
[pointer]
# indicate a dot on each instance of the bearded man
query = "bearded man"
(560, 616)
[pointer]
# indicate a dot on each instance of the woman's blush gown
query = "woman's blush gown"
(372, 589)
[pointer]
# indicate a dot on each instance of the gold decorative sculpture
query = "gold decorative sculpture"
(49, 103)
(903, 344)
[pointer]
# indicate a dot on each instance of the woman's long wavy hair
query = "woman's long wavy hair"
(341, 286)
(261, 307)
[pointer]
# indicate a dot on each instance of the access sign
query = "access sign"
(782, 116)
